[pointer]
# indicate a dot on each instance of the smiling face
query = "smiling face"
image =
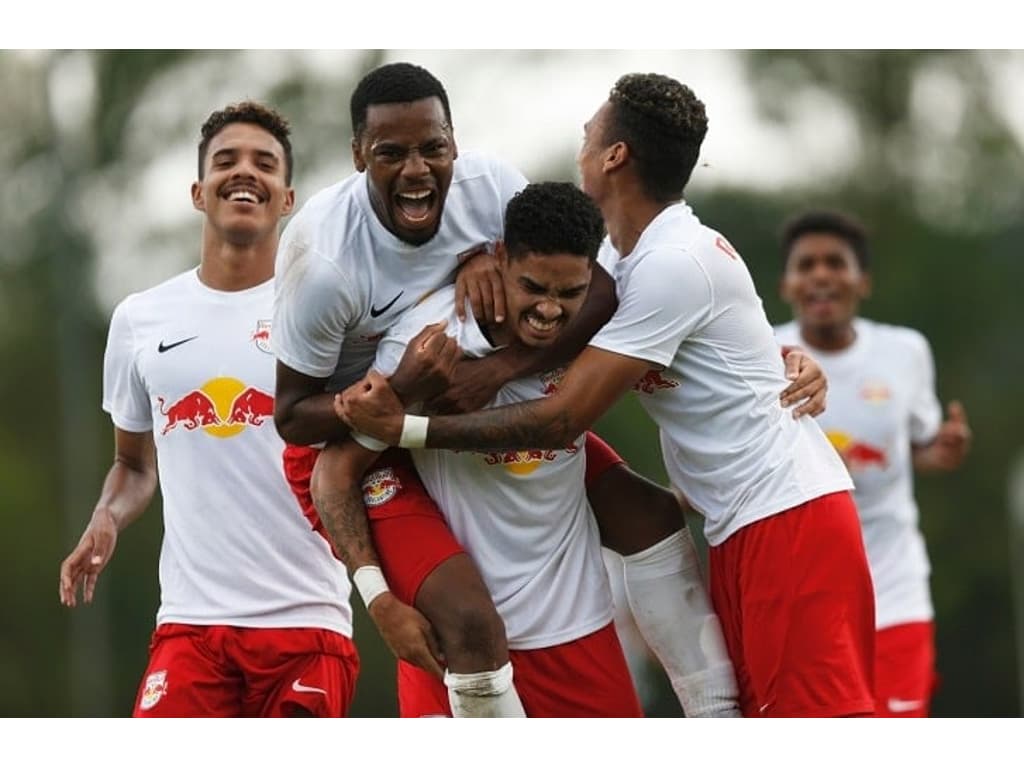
(824, 284)
(543, 292)
(408, 153)
(243, 191)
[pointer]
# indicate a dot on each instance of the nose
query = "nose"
(548, 309)
(415, 165)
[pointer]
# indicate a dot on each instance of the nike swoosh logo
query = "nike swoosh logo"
(298, 687)
(374, 312)
(903, 705)
(164, 347)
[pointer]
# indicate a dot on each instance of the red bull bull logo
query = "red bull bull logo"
(551, 380)
(855, 454)
(222, 407)
(875, 392)
(652, 381)
(261, 336)
(380, 487)
(153, 689)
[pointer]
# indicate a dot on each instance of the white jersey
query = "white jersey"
(687, 304)
(881, 400)
(343, 279)
(195, 366)
(523, 516)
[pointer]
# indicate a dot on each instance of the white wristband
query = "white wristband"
(369, 443)
(369, 580)
(414, 432)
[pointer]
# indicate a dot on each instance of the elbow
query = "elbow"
(284, 422)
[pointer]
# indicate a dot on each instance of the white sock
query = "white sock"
(672, 609)
(484, 694)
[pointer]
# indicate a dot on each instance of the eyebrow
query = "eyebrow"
(231, 151)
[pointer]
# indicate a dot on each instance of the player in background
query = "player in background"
(254, 617)
(885, 421)
(788, 574)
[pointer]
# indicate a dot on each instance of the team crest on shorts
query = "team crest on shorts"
(380, 487)
(154, 689)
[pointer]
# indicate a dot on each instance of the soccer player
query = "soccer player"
(789, 577)
(886, 421)
(523, 516)
(254, 616)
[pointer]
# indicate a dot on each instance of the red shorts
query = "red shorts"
(794, 594)
(587, 677)
(218, 671)
(408, 530)
(905, 675)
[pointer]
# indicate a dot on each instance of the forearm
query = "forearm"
(540, 424)
(338, 496)
(127, 492)
(310, 421)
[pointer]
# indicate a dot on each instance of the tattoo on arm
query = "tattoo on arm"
(518, 426)
(344, 517)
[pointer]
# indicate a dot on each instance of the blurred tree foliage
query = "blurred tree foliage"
(934, 170)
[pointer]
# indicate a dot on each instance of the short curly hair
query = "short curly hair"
(827, 222)
(553, 217)
(664, 124)
(272, 121)
(397, 83)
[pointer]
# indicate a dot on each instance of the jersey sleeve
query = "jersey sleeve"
(313, 306)
(124, 392)
(925, 409)
(666, 297)
(510, 181)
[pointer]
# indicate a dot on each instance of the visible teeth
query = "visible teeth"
(540, 325)
(244, 196)
(416, 195)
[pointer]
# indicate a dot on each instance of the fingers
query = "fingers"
(482, 298)
(498, 296)
(956, 411)
(460, 300)
(814, 406)
(430, 658)
(792, 360)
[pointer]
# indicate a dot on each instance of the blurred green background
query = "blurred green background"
(96, 153)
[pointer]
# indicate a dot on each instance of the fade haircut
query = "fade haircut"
(553, 218)
(841, 225)
(398, 83)
(663, 123)
(270, 120)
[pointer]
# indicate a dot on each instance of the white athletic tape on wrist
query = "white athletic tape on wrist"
(369, 443)
(414, 432)
(370, 582)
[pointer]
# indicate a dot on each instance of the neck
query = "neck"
(228, 266)
(626, 218)
(829, 338)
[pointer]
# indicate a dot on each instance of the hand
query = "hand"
(83, 566)
(479, 278)
(474, 385)
(372, 407)
(809, 383)
(950, 446)
(407, 633)
(427, 366)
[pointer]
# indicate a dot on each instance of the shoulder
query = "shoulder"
(899, 338)
(480, 167)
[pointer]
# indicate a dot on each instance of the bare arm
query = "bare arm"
(476, 382)
(127, 491)
(593, 383)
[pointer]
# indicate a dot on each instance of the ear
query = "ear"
(198, 200)
(615, 156)
(357, 156)
(864, 291)
(289, 201)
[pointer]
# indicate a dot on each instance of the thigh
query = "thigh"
(800, 611)
(295, 671)
(187, 676)
(410, 534)
(905, 675)
(587, 677)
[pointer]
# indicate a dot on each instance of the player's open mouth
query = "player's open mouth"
(247, 195)
(416, 208)
(542, 327)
